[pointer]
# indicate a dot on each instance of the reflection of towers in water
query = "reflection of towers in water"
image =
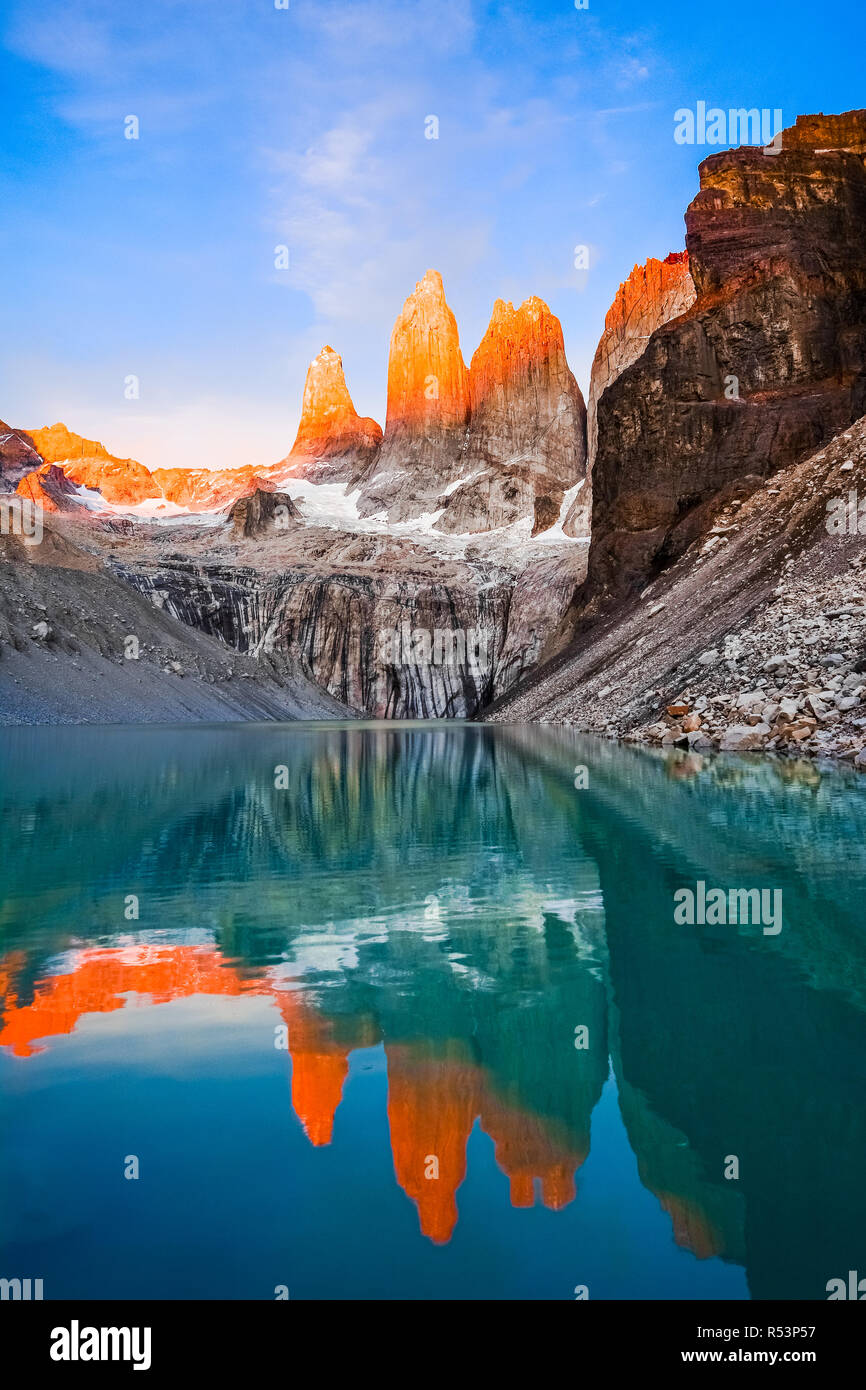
(520, 1077)
(723, 1045)
(436, 1090)
(320, 1063)
(717, 1047)
(433, 1103)
(707, 1214)
(507, 1062)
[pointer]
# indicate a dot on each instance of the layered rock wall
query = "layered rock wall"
(383, 639)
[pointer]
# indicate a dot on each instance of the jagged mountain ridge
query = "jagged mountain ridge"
(479, 447)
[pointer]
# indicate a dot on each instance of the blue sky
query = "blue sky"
(306, 127)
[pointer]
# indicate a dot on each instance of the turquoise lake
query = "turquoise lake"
(403, 1011)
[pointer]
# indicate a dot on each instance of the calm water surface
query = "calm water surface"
(339, 1038)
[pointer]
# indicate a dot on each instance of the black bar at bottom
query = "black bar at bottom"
(246, 1338)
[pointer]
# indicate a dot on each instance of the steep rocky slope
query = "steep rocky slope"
(767, 364)
(78, 646)
(755, 638)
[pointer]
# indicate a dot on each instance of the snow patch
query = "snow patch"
(555, 535)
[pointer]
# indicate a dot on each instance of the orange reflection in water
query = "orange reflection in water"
(98, 983)
(434, 1099)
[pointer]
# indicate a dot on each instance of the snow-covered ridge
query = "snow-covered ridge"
(333, 506)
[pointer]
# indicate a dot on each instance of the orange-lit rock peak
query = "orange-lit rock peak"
(122, 482)
(521, 335)
(57, 444)
(330, 424)
(645, 293)
(518, 344)
(526, 441)
(652, 295)
(521, 386)
(428, 384)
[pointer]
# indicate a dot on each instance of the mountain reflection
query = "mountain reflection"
(434, 1098)
(447, 896)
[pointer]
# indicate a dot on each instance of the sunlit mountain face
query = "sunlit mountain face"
(416, 1020)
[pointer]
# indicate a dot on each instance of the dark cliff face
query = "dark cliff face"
(652, 295)
(767, 365)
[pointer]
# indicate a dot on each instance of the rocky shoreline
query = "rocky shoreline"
(807, 697)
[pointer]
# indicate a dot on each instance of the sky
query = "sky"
(306, 127)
